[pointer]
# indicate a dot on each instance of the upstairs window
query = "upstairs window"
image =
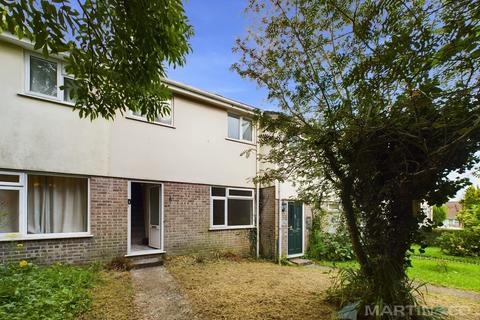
(166, 119)
(240, 128)
(231, 208)
(45, 77)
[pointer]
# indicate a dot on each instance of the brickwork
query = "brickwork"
(268, 223)
(108, 220)
(187, 223)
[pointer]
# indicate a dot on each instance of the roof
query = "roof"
(453, 208)
(175, 86)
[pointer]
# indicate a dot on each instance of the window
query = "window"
(166, 119)
(240, 128)
(34, 206)
(45, 78)
(231, 208)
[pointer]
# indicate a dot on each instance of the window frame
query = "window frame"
(23, 210)
(227, 196)
(61, 75)
(132, 116)
(241, 119)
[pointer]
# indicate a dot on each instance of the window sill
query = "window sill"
(150, 122)
(46, 99)
(231, 228)
(17, 237)
(241, 141)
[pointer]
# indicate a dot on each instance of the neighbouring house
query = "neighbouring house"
(75, 190)
(451, 222)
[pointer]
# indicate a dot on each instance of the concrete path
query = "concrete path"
(158, 296)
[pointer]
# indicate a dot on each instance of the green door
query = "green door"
(295, 228)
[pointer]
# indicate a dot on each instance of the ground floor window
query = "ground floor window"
(231, 207)
(33, 205)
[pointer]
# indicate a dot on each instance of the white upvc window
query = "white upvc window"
(231, 208)
(165, 120)
(45, 77)
(39, 206)
(240, 128)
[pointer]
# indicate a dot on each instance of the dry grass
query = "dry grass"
(225, 289)
(112, 298)
(460, 308)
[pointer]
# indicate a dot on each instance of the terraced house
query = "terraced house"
(76, 190)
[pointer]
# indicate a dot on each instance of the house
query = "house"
(451, 222)
(75, 190)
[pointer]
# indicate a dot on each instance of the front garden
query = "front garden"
(59, 291)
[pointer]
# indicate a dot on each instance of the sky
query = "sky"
(217, 23)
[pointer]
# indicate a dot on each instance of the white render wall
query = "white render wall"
(45, 136)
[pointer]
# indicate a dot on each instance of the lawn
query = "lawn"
(437, 253)
(248, 289)
(252, 290)
(435, 267)
(111, 298)
(28, 291)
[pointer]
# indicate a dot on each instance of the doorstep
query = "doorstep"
(300, 261)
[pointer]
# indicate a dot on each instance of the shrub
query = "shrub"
(55, 292)
(461, 243)
(434, 237)
(328, 246)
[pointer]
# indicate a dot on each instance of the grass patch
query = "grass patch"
(437, 253)
(453, 274)
(252, 290)
(262, 290)
(112, 298)
(55, 292)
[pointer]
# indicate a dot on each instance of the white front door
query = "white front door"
(154, 194)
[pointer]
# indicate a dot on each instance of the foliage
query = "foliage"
(111, 298)
(438, 254)
(328, 246)
(433, 238)
(119, 264)
(116, 50)
(470, 213)
(379, 100)
(350, 289)
(439, 214)
(462, 243)
(32, 292)
(460, 274)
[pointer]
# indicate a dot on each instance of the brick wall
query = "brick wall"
(268, 223)
(187, 223)
(108, 219)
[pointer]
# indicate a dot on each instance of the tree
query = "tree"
(470, 213)
(439, 214)
(116, 50)
(379, 100)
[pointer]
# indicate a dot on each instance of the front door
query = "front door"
(295, 228)
(154, 216)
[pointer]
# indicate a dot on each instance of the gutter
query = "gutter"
(279, 223)
(175, 86)
(258, 199)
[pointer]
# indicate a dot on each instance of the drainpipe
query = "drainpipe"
(258, 203)
(279, 223)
